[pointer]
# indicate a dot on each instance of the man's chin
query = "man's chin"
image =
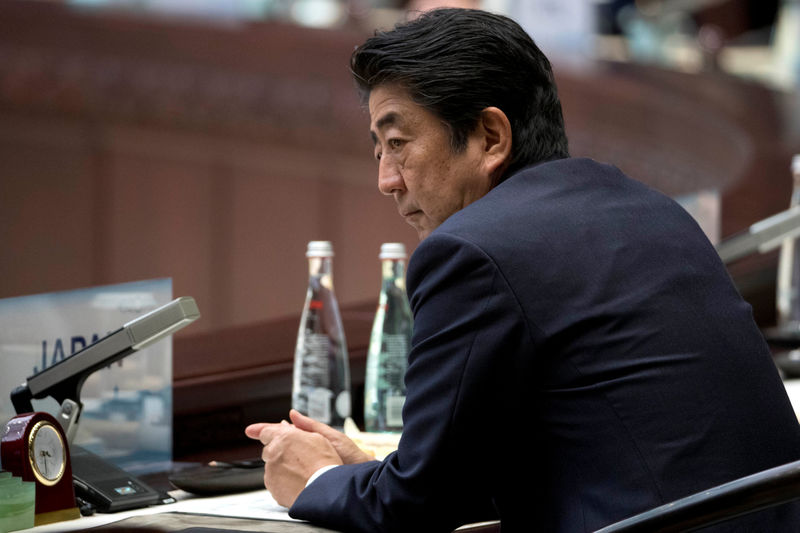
(422, 233)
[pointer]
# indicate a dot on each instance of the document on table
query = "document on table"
(257, 504)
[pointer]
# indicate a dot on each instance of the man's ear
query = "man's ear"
(496, 130)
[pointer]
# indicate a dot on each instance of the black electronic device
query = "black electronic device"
(108, 488)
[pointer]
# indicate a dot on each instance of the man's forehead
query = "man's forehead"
(388, 104)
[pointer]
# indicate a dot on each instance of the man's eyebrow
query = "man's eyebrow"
(388, 119)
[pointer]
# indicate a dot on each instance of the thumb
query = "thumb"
(254, 430)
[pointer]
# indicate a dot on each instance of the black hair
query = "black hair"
(457, 62)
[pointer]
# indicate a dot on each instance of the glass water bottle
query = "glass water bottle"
(321, 379)
(390, 341)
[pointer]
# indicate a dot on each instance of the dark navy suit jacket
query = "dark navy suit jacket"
(580, 355)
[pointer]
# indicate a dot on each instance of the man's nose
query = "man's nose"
(389, 177)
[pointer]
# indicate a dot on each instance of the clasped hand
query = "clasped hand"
(293, 452)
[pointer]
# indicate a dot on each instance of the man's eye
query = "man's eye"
(391, 144)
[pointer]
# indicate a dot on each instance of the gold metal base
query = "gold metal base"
(70, 513)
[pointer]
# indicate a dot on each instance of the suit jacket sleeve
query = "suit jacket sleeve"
(467, 326)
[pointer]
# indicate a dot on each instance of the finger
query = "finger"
(270, 431)
(306, 423)
(254, 430)
(266, 432)
(264, 454)
(348, 451)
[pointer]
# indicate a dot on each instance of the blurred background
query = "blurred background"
(209, 140)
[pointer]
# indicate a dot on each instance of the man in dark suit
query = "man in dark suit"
(579, 353)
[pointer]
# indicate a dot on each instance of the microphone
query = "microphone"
(763, 236)
(63, 381)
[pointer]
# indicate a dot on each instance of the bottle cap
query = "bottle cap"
(319, 249)
(392, 250)
(796, 165)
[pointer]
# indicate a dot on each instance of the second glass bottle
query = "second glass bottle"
(390, 341)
